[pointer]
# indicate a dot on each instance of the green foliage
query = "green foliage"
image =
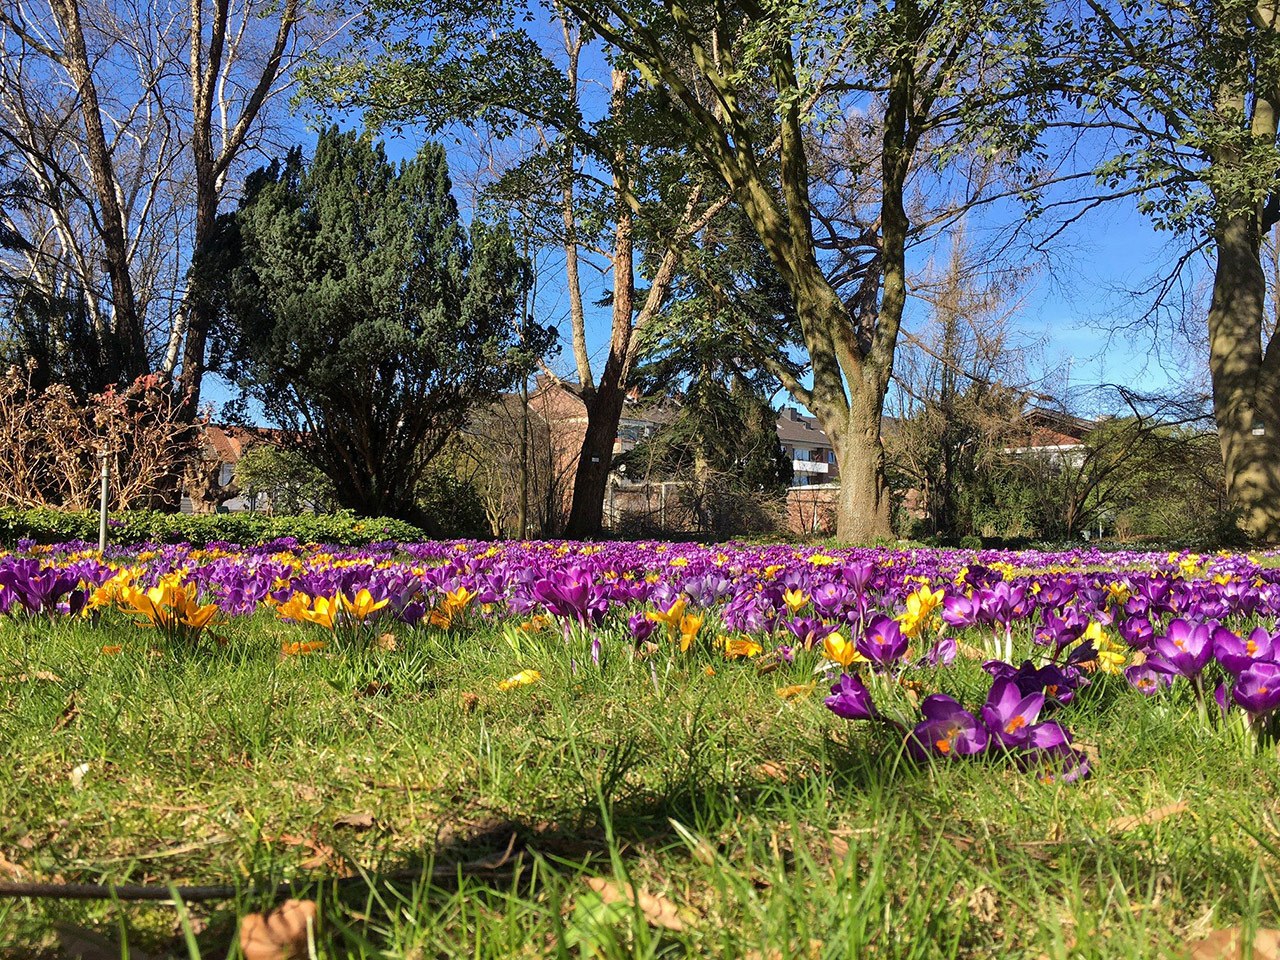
(284, 477)
(137, 526)
(449, 504)
(362, 315)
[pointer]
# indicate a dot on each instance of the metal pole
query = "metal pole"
(102, 503)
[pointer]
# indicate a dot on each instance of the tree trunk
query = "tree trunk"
(591, 479)
(862, 516)
(1246, 380)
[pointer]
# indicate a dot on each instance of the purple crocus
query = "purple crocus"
(1184, 647)
(1258, 687)
(1008, 714)
(1237, 653)
(883, 642)
(942, 653)
(851, 699)
(642, 627)
(948, 729)
(1148, 677)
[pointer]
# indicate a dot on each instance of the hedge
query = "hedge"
(139, 526)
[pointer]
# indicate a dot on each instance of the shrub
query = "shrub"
(341, 529)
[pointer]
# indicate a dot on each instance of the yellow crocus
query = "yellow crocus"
(796, 600)
(839, 650)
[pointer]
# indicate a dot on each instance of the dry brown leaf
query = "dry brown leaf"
(10, 870)
(658, 911)
(355, 821)
(469, 701)
(37, 675)
(386, 641)
(772, 771)
(796, 690)
(1229, 944)
(280, 934)
(322, 856)
(1126, 824)
(68, 715)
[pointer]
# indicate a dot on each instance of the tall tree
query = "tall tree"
(131, 121)
(362, 317)
(928, 80)
(1194, 89)
(607, 180)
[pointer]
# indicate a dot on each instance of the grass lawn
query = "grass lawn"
(663, 806)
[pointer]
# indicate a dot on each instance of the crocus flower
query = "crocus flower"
(948, 729)
(942, 653)
(1185, 647)
(883, 642)
(1008, 714)
(1258, 687)
(1149, 676)
(1236, 653)
(642, 627)
(839, 650)
(851, 699)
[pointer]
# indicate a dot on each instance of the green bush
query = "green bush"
(136, 526)
(970, 542)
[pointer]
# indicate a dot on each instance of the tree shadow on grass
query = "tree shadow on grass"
(617, 816)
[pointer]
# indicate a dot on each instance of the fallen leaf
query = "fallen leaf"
(68, 715)
(469, 701)
(386, 641)
(658, 911)
(37, 675)
(1229, 944)
(1126, 824)
(10, 870)
(355, 821)
(796, 690)
(280, 934)
(323, 856)
(772, 771)
(77, 775)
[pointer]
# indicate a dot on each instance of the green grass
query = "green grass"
(769, 828)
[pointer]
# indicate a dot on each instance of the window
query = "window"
(801, 455)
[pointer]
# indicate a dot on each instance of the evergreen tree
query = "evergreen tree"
(361, 316)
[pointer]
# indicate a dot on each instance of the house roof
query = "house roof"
(796, 427)
(229, 442)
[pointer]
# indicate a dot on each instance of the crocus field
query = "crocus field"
(641, 749)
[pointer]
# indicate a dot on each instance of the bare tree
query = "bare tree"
(133, 119)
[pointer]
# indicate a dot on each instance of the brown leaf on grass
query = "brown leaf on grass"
(657, 911)
(37, 675)
(1230, 944)
(374, 689)
(970, 651)
(796, 690)
(280, 934)
(10, 870)
(355, 821)
(68, 715)
(469, 701)
(386, 641)
(646, 650)
(772, 771)
(1127, 824)
(322, 856)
